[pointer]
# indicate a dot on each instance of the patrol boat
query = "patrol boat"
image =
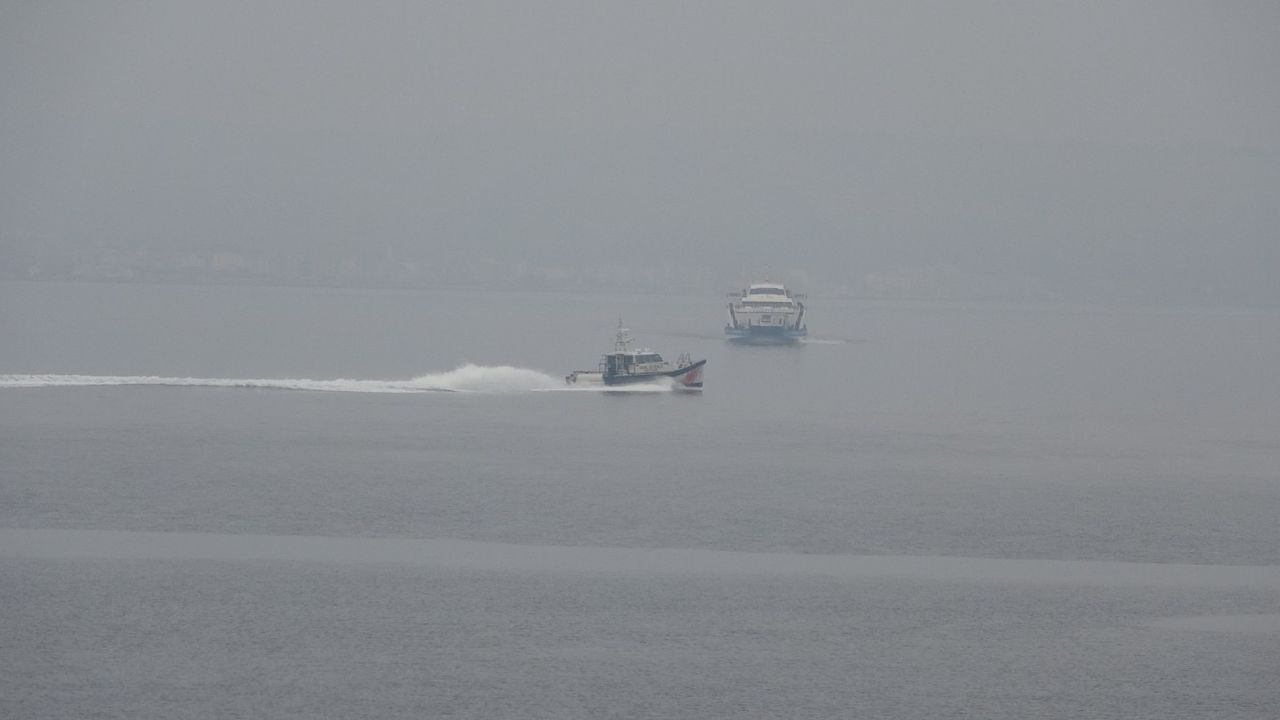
(628, 365)
(766, 313)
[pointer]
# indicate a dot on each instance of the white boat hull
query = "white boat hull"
(766, 314)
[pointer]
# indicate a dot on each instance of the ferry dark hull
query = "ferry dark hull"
(763, 335)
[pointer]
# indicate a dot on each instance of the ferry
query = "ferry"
(766, 312)
(628, 365)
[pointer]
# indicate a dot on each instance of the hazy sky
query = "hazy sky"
(1106, 143)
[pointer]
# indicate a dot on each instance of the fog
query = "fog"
(303, 412)
(1077, 151)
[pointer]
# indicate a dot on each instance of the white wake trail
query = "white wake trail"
(657, 385)
(467, 378)
(638, 388)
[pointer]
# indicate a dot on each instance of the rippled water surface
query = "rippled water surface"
(253, 502)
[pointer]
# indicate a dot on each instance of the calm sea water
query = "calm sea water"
(931, 510)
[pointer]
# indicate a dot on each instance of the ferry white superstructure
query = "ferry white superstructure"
(766, 312)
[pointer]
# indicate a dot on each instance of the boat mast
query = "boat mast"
(622, 341)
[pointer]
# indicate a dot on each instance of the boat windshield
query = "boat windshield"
(767, 291)
(649, 358)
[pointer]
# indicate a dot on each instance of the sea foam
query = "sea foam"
(466, 378)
